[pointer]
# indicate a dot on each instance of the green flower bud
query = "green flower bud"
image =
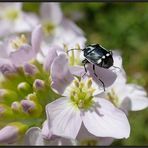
(24, 88)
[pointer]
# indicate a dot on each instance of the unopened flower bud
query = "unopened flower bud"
(12, 132)
(24, 87)
(30, 69)
(27, 105)
(31, 107)
(16, 106)
(38, 84)
(32, 97)
(7, 68)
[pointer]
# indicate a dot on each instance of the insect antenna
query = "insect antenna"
(72, 49)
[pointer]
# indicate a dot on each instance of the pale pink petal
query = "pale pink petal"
(46, 132)
(34, 137)
(138, 99)
(70, 25)
(117, 58)
(3, 52)
(60, 74)
(63, 118)
(31, 18)
(52, 54)
(105, 120)
(51, 12)
(22, 55)
(36, 38)
(84, 135)
(107, 76)
(73, 36)
(77, 70)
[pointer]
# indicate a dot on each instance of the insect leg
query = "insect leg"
(84, 62)
(98, 78)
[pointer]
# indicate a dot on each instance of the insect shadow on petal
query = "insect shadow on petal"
(97, 55)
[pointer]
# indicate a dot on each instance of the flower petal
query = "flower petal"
(48, 10)
(77, 70)
(105, 75)
(24, 54)
(104, 120)
(63, 119)
(52, 54)
(3, 50)
(84, 136)
(36, 38)
(60, 74)
(137, 97)
(45, 130)
(33, 137)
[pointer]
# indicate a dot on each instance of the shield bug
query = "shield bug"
(98, 56)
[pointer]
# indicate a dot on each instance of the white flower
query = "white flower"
(37, 136)
(58, 30)
(11, 14)
(125, 95)
(81, 106)
(67, 114)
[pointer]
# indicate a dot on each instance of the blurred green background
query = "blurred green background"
(122, 26)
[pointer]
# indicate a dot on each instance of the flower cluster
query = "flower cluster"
(45, 98)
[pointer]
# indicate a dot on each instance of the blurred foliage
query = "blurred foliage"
(122, 26)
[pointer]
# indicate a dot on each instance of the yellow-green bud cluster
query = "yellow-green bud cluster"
(24, 95)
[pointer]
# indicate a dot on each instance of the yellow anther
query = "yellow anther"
(80, 103)
(76, 83)
(81, 85)
(18, 42)
(89, 82)
(23, 38)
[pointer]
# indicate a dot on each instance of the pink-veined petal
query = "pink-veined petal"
(63, 119)
(105, 120)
